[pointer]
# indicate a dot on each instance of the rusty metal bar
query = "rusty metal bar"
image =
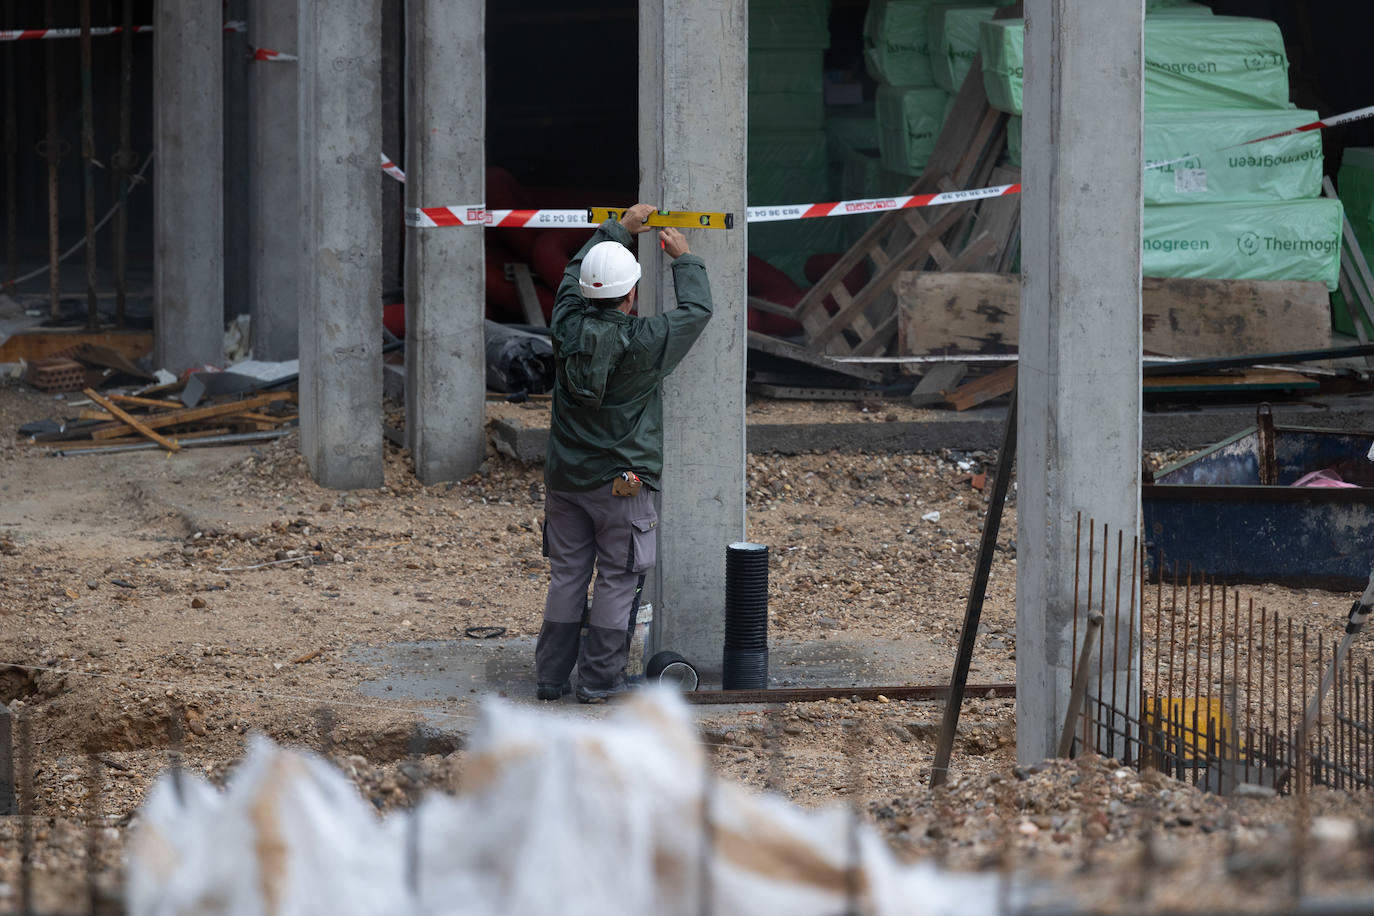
(88, 161)
(1249, 684)
(1101, 640)
(821, 694)
(1077, 556)
(1080, 684)
(95, 778)
(1136, 560)
(973, 609)
(26, 793)
(52, 150)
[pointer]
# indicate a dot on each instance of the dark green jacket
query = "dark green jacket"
(607, 406)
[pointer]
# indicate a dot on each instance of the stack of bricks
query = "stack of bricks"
(56, 373)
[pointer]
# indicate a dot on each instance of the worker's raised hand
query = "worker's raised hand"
(674, 242)
(634, 218)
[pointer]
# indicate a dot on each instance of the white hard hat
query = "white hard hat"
(609, 271)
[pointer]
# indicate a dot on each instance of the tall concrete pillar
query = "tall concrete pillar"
(445, 270)
(341, 280)
(692, 151)
(1079, 380)
(274, 183)
(188, 184)
(237, 130)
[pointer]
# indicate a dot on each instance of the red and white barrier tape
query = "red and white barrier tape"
(1359, 114)
(874, 204)
(235, 25)
(478, 215)
(269, 54)
(392, 169)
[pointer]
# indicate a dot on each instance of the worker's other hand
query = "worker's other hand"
(674, 242)
(634, 218)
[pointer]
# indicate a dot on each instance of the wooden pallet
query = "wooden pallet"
(954, 237)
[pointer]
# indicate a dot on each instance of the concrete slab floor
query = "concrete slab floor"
(445, 676)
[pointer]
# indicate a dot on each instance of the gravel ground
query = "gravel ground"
(129, 573)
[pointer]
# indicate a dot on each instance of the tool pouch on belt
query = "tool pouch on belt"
(627, 484)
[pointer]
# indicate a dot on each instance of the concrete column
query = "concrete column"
(1079, 425)
(445, 272)
(692, 122)
(237, 130)
(274, 183)
(341, 280)
(188, 184)
(393, 142)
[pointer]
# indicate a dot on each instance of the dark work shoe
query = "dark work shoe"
(553, 691)
(594, 695)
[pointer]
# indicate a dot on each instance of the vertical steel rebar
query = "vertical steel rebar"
(95, 778)
(1249, 684)
(1288, 694)
(1274, 708)
(1130, 647)
(24, 729)
(88, 162)
(53, 145)
(1101, 642)
(124, 162)
(1304, 737)
(1077, 557)
(1088, 604)
(1116, 646)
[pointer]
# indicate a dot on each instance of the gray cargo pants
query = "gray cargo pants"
(618, 536)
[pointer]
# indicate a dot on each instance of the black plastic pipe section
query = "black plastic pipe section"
(746, 616)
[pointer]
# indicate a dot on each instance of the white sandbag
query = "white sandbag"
(290, 836)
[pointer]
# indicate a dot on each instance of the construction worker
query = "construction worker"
(605, 450)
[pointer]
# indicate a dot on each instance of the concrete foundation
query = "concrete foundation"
(188, 185)
(274, 184)
(1079, 381)
(445, 270)
(340, 281)
(692, 150)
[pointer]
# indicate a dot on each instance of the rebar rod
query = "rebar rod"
(973, 609)
(1249, 682)
(1101, 639)
(1131, 652)
(1116, 641)
(1077, 557)
(1080, 684)
(88, 163)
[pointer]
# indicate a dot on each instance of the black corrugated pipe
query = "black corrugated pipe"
(746, 616)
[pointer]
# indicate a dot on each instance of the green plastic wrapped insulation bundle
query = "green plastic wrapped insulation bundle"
(1355, 182)
(1286, 168)
(787, 166)
(954, 37)
(896, 49)
(789, 24)
(1176, 9)
(1245, 240)
(797, 70)
(909, 121)
(786, 111)
(1192, 63)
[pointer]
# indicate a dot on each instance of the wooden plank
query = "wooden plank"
(1236, 379)
(774, 347)
(34, 344)
(879, 283)
(978, 313)
(132, 421)
(982, 390)
(193, 414)
(529, 299)
(1000, 218)
(936, 383)
(145, 402)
